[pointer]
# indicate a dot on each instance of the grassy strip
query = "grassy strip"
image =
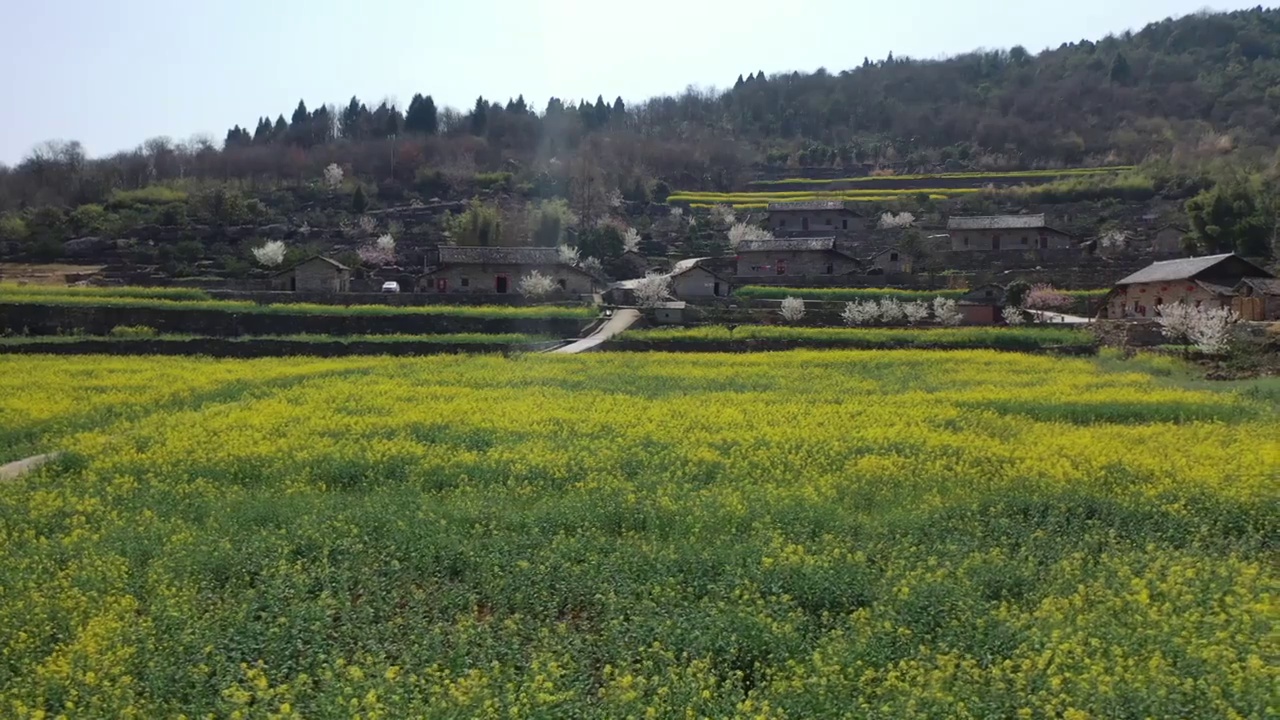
(764, 292)
(952, 176)
(445, 339)
(157, 293)
(1028, 338)
(248, 307)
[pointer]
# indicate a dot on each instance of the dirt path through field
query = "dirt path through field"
(18, 468)
(621, 320)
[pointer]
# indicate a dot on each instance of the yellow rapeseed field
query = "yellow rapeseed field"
(887, 534)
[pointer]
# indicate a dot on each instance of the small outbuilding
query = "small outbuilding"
(982, 305)
(1208, 281)
(315, 274)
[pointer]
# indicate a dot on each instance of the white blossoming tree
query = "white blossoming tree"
(270, 254)
(891, 311)
(569, 255)
(592, 266)
(724, 213)
(862, 312)
(945, 311)
(1208, 329)
(1013, 315)
(792, 309)
(536, 285)
(333, 176)
(379, 252)
(652, 289)
(889, 221)
(742, 231)
(916, 312)
(631, 240)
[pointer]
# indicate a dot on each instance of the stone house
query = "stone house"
(889, 261)
(315, 274)
(690, 279)
(498, 270)
(1005, 232)
(818, 216)
(793, 257)
(1167, 240)
(1208, 281)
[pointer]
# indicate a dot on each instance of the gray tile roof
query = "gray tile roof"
(997, 222)
(1216, 289)
(1181, 269)
(788, 245)
(477, 255)
(330, 261)
(1270, 286)
(811, 205)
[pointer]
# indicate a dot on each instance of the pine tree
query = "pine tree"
(521, 106)
(1120, 71)
(421, 116)
(480, 117)
(280, 130)
(300, 114)
(262, 133)
(738, 85)
(350, 123)
(619, 108)
(359, 203)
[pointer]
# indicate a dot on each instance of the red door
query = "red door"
(442, 285)
(500, 284)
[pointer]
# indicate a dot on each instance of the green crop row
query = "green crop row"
(158, 293)
(245, 306)
(976, 176)
(1026, 338)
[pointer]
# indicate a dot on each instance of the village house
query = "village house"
(889, 261)
(792, 257)
(315, 274)
(1209, 281)
(690, 280)
(498, 270)
(982, 305)
(819, 216)
(1167, 240)
(1005, 232)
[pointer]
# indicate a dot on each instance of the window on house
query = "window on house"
(828, 221)
(966, 242)
(831, 269)
(464, 282)
(844, 224)
(781, 267)
(893, 257)
(782, 222)
(1024, 239)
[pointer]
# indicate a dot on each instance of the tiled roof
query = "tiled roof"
(1181, 269)
(477, 255)
(997, 222)
(1270, 286)
(686, 265)
(810, 205)
(1215, 288)
(331, 261)
(788, 245)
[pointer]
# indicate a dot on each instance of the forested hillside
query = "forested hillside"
(1182, 93)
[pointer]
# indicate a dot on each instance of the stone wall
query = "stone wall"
(753, 266)
(22, 319)
(400, 299)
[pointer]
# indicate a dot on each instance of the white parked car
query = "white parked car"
(391, 286)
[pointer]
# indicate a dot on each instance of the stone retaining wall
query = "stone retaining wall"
(218, 347)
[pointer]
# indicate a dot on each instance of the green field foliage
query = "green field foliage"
(887, 534)
(1002, 338)
(75, 297)
(977, 177)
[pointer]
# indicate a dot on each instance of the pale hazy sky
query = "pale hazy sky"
(112, 74)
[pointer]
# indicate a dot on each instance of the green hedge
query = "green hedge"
(1026, 338)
